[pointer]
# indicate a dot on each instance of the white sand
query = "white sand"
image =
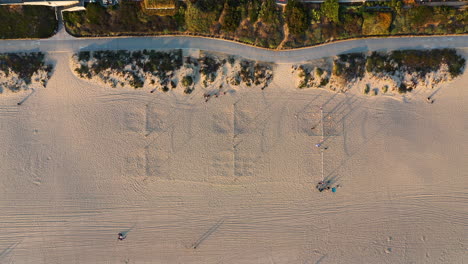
(81, 162)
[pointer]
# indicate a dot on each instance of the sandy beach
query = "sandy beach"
(232, 180)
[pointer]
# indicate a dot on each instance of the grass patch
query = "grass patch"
(18, 21)
(376, 23)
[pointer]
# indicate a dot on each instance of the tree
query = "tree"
(331, 10)
(296, 17)
(269, 12)
(231, 19)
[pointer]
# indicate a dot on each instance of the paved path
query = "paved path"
(67, 44)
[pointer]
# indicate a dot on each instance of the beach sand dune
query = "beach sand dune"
(234, 177)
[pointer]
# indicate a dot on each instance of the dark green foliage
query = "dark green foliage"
(254, 9)
(385, 88)
(209, 5)
(83, 71)
(331, 10)
(420, 15)
(319, 71)
(416, 61)
(135, 80)
(187, 81)
(269, 12)
(96, 13)
(350, 66)
(27, 22)
(24, 64)
(296, 17)
(252, 73)
(324, 82)
(231, 60)
(367, 89)
(114, 60)
(209, 66)
(402, 88)
(158, 63)
(232, 16)
(84, 55)
(246, 72)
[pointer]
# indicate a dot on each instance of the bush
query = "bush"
(324, 82)
(377, 23)
(96, 13)
(84, 55)
(296, 17)
(231, 17)
(198, 19)
(385, 88)
(188, 90)
(209, 67)
(318, 71)
(349, 66)
(420, 15)
(269, 12)
(27, 22)
(187, 81)
(331, 10)
(419, 62)
(24, 64)
(367, 89)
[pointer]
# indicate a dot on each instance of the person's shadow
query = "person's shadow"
(123, 234)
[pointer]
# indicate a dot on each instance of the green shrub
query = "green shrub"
(187, 81)
(377, 23)
(24, 64)
(95, 13)
(357, 62)
(324, 82)
(367, 89)
(188, 90)
(318, 71)
(296, 17)
(269, 12)
(385, 88)
(231, 17)
(198, 19)
(331, 10)
(84, 55)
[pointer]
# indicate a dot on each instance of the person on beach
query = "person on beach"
(121, 236)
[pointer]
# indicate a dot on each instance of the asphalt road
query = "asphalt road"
(65, 43)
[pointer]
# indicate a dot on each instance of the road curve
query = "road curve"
(235, 48)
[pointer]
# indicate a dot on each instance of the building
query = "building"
(40, 2)
(69, 5)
